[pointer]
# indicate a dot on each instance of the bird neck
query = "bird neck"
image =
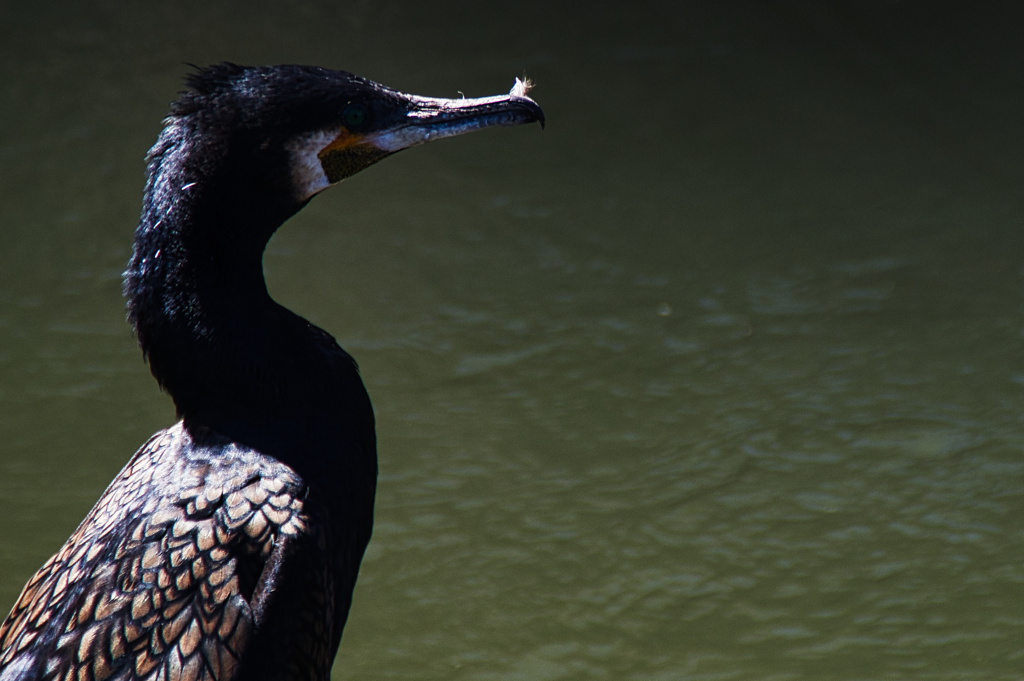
(232, 359)
(197, 298)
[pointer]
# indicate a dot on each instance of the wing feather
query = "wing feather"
(160, 580)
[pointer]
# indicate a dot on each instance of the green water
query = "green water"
(718, 377)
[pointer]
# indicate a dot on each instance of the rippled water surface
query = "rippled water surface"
(718, 377)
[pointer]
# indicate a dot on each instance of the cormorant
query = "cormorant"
(228, 546)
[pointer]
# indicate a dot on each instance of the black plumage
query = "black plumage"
(229, 546)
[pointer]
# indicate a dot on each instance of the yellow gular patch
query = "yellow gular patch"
(323, 158)
(347, 155)
(344, 140)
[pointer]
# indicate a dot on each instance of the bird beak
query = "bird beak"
(328, 158)
(431, 118)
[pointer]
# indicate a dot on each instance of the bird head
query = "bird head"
(328, 125)
(241, 151)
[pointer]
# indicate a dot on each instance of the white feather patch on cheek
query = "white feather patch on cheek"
(308, 174)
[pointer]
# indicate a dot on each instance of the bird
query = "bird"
(229, 545)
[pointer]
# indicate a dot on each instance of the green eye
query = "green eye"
(353, 116)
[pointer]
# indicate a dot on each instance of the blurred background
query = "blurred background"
(718, 377)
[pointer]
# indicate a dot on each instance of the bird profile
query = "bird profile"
(229, 545)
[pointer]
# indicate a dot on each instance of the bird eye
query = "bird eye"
(353, 116)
